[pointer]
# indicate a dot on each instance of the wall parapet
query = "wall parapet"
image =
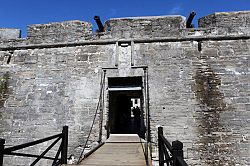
(154, 26)
(9, 33)
(225, 24)
(59, 31)
(226, 19)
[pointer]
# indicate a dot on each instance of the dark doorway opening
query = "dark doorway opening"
(125, 106)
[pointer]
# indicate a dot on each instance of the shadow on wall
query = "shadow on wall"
(207, 91)
(3, 88)
(212, 144)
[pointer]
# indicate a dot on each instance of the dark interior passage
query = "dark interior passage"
(125, 111)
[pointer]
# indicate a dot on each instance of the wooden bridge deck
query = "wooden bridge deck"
(119, 149)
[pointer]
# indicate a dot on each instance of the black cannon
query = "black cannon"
(190, 19)
(99, 24)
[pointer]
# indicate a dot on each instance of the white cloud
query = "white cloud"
(175, 10)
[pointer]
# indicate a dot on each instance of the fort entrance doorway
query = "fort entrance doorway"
(126, 106)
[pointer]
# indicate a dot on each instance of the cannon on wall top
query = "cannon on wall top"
(99, 24)
(190, 19)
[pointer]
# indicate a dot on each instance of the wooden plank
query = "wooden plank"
(123, 138)
(119, 149)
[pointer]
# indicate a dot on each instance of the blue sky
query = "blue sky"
(20, 13)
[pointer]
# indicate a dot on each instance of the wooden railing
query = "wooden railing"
(63, 148)
(171, 155)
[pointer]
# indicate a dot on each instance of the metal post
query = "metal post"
(149, 130)
(64, 145)
(117, 53)
(132, 52)
(146, 114)
(2, 142)
(160, 148)
(102, 84)
(177, 151)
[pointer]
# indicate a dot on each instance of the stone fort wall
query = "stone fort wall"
(199, 81)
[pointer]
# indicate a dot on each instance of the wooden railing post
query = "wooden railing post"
(177, 151)
(64, 145)
(2, 142)
(160, 148)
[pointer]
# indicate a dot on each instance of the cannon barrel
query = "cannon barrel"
(190, 19)
(99, 23)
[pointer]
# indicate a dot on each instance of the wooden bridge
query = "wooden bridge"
(119, 149)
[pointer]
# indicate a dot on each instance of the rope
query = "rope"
(143, 149)
(146, 113)
(148, 116)
(148, 132)
(92, 125)
(144, 152)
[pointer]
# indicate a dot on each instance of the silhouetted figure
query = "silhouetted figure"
(137, 114)
(123, 115)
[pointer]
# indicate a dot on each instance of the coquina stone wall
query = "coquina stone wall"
(199, 82)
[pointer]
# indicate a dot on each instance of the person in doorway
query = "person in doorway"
(123, 115)
(137, 114)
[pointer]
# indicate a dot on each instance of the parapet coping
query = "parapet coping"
(232, 12)
(147, 17)
(226, 13)
(58, 22)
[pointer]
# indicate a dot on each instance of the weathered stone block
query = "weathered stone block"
(82, 57)
(145, 26)
(226, 19)
(6, 34)
(59, 32)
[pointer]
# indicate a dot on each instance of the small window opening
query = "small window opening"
(199, 46)
(9, 58)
